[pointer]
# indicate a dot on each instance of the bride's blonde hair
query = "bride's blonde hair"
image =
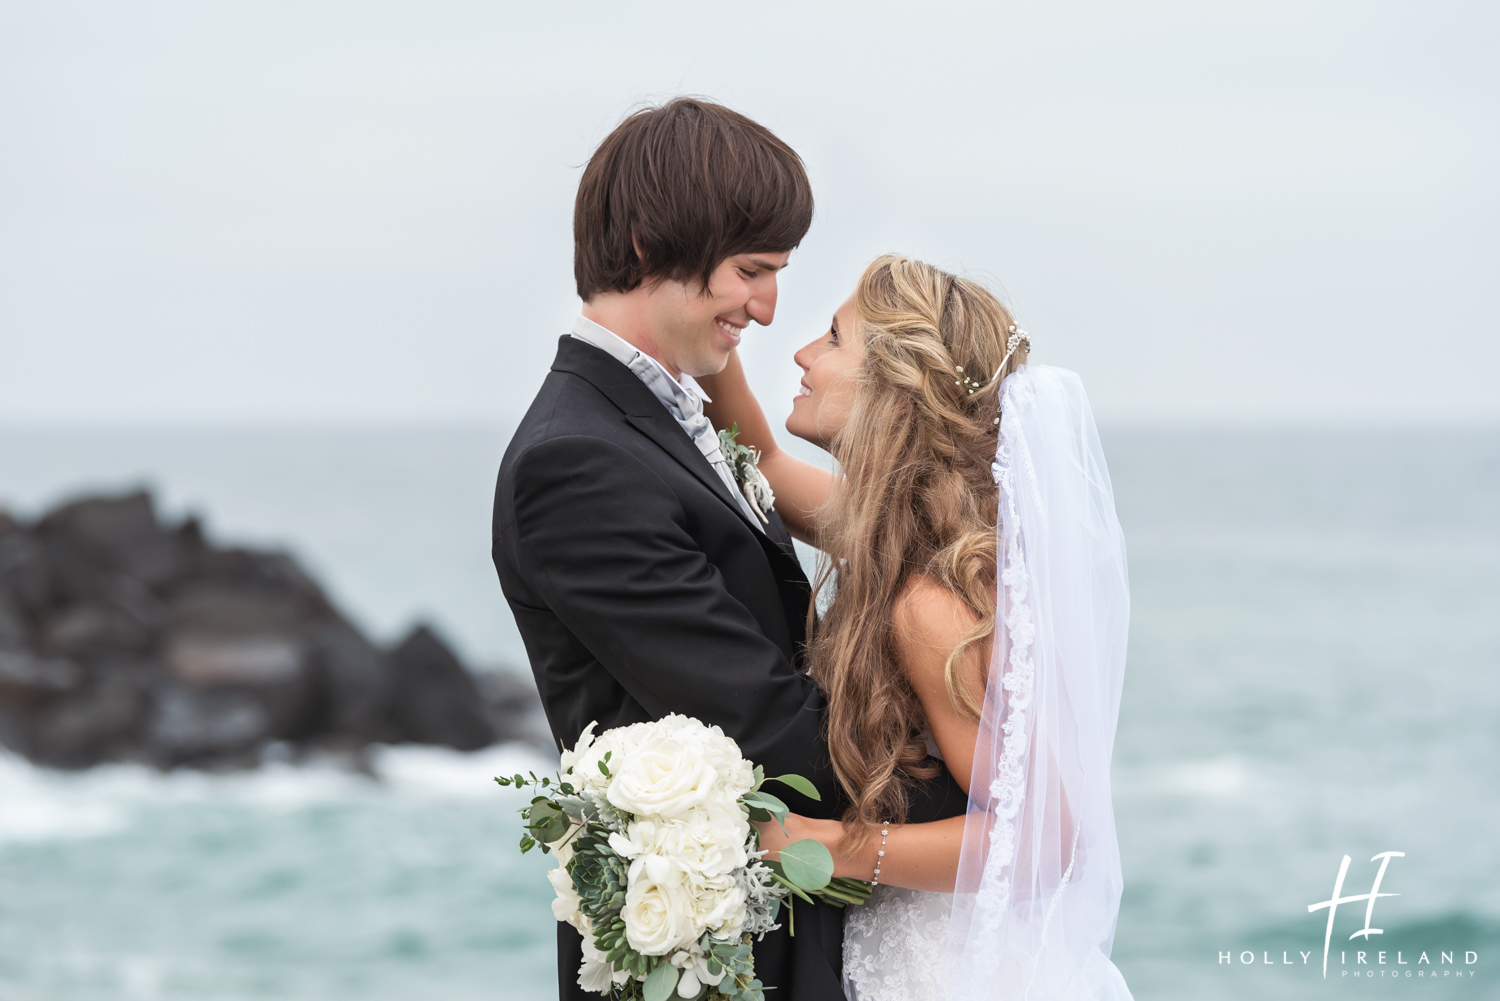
(917, 499)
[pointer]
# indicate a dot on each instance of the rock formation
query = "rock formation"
(126, 639)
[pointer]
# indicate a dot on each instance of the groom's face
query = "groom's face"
(693, 331)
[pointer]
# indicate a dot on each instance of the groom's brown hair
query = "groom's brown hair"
(676, 189)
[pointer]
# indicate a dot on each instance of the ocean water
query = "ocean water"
(1314, 672)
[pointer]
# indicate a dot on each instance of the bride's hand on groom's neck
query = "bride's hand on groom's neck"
(800, 487)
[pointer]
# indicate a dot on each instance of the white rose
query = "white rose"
(659, 906)
(565, 907)
(666, 775)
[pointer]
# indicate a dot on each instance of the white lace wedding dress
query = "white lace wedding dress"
(894, 944)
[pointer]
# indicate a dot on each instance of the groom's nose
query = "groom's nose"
(762, 303)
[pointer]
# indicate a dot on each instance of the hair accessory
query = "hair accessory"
(880, 855)
(964, 380)
(1017, 338)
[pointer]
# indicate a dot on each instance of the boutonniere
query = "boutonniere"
(744, 463)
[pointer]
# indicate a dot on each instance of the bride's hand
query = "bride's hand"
(773, 838)
(827, 832)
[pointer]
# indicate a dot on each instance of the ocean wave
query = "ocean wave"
(42, 804)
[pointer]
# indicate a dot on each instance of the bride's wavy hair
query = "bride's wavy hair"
(916, 499)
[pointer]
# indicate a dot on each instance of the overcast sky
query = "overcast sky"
(359, 213)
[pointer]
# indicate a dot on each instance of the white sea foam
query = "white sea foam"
(38, 805)
(1225, 778)
(438, 772)
(42, 804)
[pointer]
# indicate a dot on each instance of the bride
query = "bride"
(978, 614)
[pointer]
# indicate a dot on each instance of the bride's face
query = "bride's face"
(821, 408)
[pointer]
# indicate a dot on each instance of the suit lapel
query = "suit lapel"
(667, 433)
(647, 415)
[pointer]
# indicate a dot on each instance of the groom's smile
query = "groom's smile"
(731, 331)
(688, 328)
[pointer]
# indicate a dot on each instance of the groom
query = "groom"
(641, 580)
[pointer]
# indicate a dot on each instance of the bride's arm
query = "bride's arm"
(929, 622)
(800, 487)
(917, 856)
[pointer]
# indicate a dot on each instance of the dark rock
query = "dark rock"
(115, 533)
(30, 687)
(94, 628)
(511, 705)
(189, 727)
(13, 631)
(96, 725)
(11, 737)
(435, 701)
(125, 638)
(265, 573)
(22, 671)
(24, 571)
(355, 680)
(220, 635)
(207, 660)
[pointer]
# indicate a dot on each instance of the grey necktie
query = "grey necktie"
(688, 410)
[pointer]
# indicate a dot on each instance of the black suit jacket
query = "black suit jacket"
(640, 588)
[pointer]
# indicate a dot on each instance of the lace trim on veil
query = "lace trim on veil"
(1038, 887)
(1008, 789)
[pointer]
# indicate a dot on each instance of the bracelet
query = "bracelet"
(880, 856)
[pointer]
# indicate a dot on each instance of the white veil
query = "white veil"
(1039, 878)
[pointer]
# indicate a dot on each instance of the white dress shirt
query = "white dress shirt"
(683, 400)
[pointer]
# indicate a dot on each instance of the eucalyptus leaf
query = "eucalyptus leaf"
(767, 802)
(794, 888)
(807, 863)
(554, 829)
(661, 982)
(798, 783)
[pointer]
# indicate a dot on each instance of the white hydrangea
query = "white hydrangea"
(708, 842)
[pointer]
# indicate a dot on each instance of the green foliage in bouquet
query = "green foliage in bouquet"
(575, 819)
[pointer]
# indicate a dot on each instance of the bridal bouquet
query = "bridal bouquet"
(659, 867)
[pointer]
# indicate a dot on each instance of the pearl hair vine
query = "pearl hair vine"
(1016, 339)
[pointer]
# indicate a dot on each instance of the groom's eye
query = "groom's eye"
(747, 273)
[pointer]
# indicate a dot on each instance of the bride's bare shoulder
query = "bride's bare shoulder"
(927, 622)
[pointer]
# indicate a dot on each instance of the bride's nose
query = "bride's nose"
(803, 357)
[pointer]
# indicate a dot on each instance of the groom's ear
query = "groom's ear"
(675, 190)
